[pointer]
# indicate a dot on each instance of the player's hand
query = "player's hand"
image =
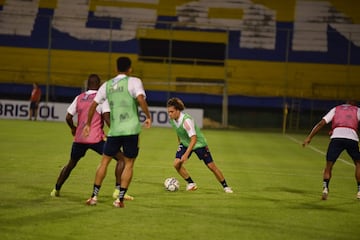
(86, 131)
(73, 131)
(147, 123)
(306, 142)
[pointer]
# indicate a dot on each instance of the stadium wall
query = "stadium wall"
(275, 50)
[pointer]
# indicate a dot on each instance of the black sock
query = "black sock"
(358, 184)
(57, 187)
(96, 190)
(122, 193)
(189, 180)
(326, 183)
(224, 184)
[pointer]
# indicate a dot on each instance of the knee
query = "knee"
(177, 164)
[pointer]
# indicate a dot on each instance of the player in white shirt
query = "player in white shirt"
(345, 119)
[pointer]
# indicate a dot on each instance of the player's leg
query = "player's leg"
(205, 155)
(127, 173)
(120, 164)
(110, 149)
(357, 176)
(130, 146)
(36, 111)
(327, 174)
(353, 150)
(336, 146)
(31, 109)
(77, 152)
(179, 166)
(99, 177)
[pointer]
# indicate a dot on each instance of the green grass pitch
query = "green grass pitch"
(277, 189)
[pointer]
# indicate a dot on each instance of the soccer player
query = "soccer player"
(124, 93)
(344, 136)
(191, 140)
(95, 141)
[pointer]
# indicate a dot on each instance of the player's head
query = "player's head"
(351, 102)
(174, 107)
(93, 82)
(176, 103)
(123, 64)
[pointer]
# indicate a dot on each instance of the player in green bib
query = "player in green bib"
(191, 140)
(124, 94)
(123, 108)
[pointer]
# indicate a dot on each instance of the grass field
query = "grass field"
(277, 186)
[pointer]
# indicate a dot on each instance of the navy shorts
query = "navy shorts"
(128, 144)
(34, 105)
(78, 150)
(337, 145)
(203, 153)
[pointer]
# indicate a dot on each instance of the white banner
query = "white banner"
(13, 109)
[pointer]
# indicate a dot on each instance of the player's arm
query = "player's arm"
(189, 126)
(106, 118)
(70, 113)
(105, 109)
(144, 107)
(70, 123)
(192, 143)
(86, 130)
(314, 131)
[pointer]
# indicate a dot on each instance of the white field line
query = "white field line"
(318, 150)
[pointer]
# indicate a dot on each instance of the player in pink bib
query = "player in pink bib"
(96, 139)
(345, 119)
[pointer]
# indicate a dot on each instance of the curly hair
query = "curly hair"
(176, 103)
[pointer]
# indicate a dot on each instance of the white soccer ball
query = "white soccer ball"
(171, 184)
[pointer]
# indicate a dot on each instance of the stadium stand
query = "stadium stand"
(261, 49)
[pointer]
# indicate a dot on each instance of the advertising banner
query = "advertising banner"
(52, 111)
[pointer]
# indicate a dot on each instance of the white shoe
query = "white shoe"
(92, 201)
(358, 195)
(228, 190)
(191, 187)
(325, 194)
(118, 204)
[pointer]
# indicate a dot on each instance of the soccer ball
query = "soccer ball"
(171, 184)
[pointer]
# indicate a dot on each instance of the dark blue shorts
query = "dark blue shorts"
(78, 150)
(202, 153)
(34, 105)
(337, 145)
(128, 144)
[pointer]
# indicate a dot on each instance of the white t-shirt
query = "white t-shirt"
(135, 88)
(101, 108)
(188, 124)
(342, 132)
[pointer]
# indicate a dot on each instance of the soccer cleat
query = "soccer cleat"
(191, 187)
(325, 194)
(228, 190)
(116, 193)
(55, 193)
(126, 197)
(358, 195)
(118, 204)
(91, 201)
